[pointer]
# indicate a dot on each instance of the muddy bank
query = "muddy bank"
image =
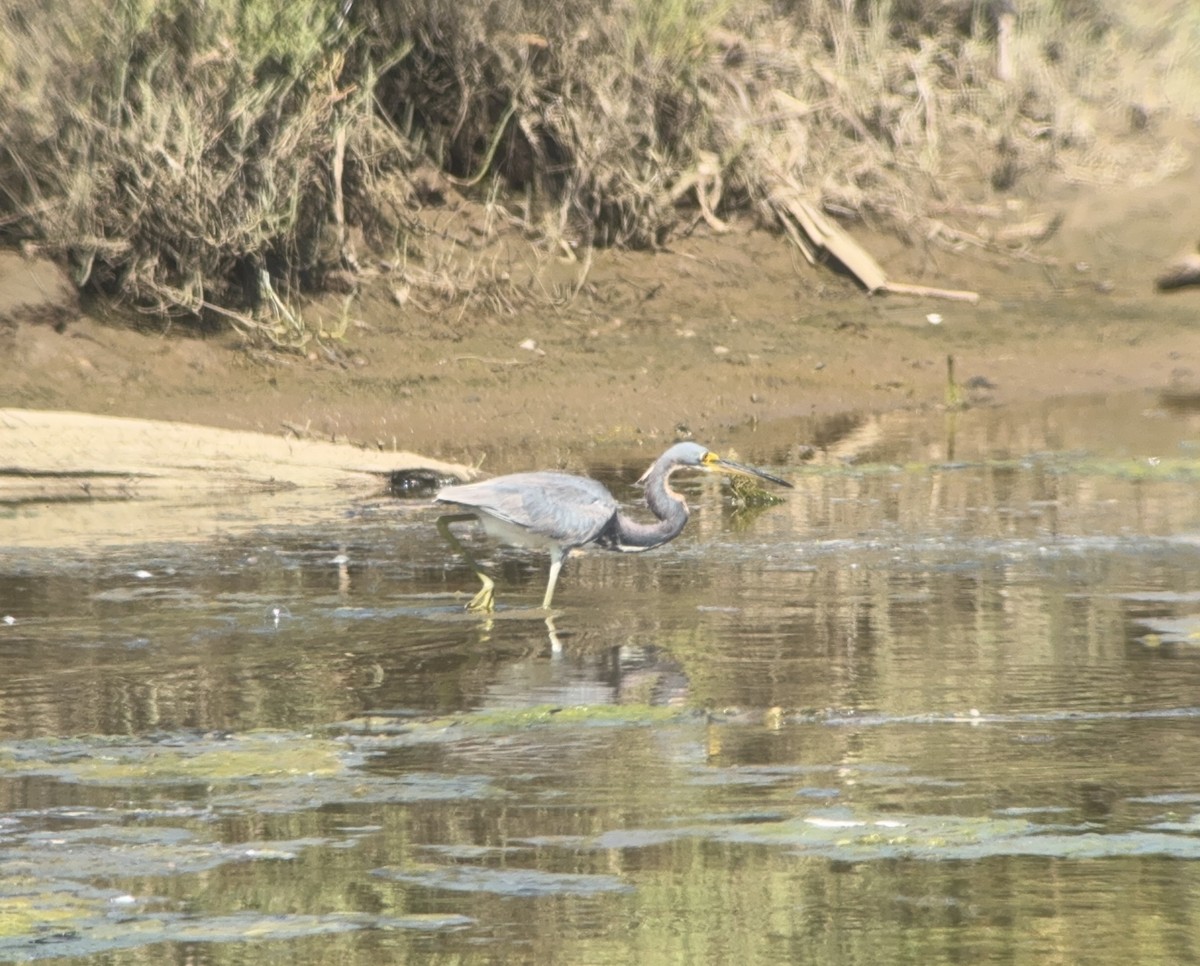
(714, 333)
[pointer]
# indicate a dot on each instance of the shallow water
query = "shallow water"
(942, 704)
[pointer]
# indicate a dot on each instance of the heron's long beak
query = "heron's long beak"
(741, 469)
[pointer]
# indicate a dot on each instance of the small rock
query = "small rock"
(1183, 272)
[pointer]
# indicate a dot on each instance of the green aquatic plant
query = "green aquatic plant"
(521, 718)
(750, 495)
(28, 908)
(257, 755)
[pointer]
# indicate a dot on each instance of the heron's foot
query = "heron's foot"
(483, 602)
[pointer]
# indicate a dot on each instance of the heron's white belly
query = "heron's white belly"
(515, 536)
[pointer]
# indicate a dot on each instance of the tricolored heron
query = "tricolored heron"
(558, 512)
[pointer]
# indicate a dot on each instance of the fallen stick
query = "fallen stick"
(930, 292)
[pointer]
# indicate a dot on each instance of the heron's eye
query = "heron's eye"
(709, 458)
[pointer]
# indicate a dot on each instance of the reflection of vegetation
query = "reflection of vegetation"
(1167, 469)
(175, 151)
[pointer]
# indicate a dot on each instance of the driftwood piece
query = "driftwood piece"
(822, 234)
(814, 233)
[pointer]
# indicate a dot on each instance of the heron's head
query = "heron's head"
(695, 456)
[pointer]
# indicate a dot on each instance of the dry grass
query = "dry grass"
(175, 152)
(191, 153)
(617, 125)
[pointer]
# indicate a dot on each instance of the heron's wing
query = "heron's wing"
(571, 510)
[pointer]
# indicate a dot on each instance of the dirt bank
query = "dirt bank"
(712, 333)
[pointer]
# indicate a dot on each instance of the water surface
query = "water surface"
(939, 705)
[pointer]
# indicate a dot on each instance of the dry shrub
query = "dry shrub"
(173, 150)
(176, 151)
(591, 108)
(611, 114)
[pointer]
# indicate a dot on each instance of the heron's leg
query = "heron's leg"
(485, 600)
(556, 562)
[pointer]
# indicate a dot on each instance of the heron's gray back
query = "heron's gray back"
(569, 510)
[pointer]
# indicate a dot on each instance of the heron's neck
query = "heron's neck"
(672, 513)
